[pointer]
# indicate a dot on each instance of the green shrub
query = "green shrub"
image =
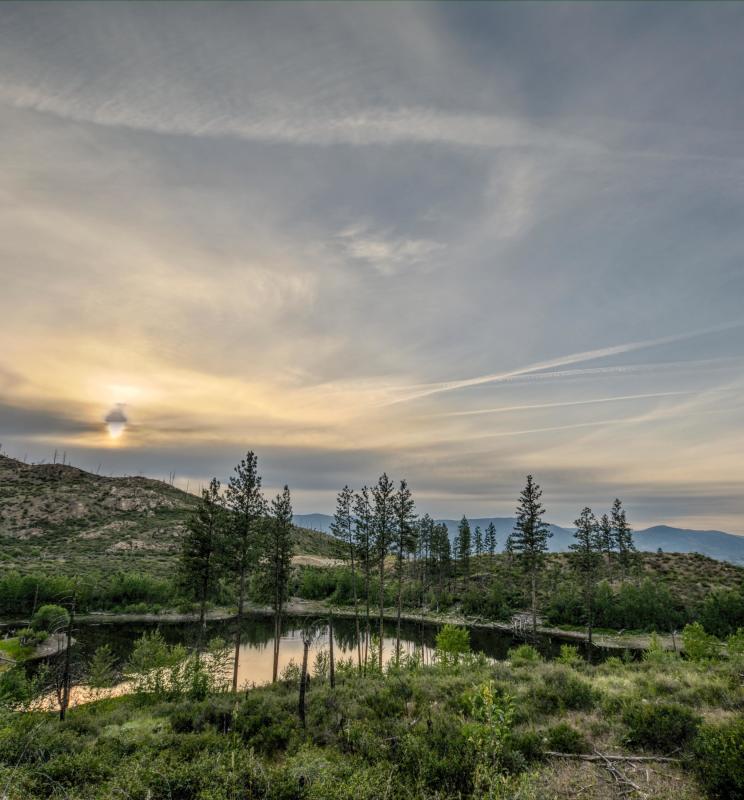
(452, 643)
(722, 612)
(569, 655)
(718, 759)
(699, 645)
(563, 738)
(524, 654)
(735, 645)
(561, 690)
(49, 618)
(662, 727)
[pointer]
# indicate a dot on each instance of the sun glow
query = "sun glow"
(116, 421)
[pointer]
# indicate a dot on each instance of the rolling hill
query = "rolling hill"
(58, 518)
(714, 544)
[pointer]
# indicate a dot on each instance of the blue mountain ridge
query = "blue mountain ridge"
(715, 544)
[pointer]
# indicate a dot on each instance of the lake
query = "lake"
(258, 633)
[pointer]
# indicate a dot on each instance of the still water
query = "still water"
(257, 639)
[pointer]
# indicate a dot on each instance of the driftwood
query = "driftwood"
(605, 757)
(620, 779)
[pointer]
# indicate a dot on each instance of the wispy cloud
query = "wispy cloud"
(566, 404)
(573, 358)
(385, 252)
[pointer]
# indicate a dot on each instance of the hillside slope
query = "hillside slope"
(57, 518)
(714, 544)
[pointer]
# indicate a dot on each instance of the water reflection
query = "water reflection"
(258, 632)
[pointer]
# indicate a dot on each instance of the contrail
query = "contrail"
(561, 361)
(503, 409)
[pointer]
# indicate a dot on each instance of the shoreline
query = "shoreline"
(300, 607)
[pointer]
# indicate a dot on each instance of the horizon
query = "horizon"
(458, 243)
(444, 516)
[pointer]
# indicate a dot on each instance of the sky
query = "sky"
(459, 243)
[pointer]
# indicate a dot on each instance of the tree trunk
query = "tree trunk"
(277, 640)
(303, 683)
(399, 602)
(534, 602)
(332, 663)
(239, 632)
(366, 615)
(66, 673)
(382, 606)
(356, 606)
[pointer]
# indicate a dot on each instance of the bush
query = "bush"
(662, 727)
(490, 604)
(722, 612)
(562, 738)
(524, 654)
(718, 759)
(569, 655)
(563, 690)
(699, 645)
(452, 642)
(49, 618)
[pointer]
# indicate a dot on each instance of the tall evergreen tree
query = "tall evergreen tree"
(586, 560)
(404, 542)
(464, 545)
(199, 550)
(342, 528)
(425, 536)
(277, 562)
(606, 540)
(248, 507)
(441, 557)
(529, 539)
(623, 536)
(383, 526)
(490, 539)
(478, 541)
(364, 545)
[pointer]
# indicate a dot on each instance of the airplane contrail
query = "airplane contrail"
(561, 361)
(504, 409)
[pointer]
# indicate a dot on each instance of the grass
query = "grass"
(12, 648)
(410, 734)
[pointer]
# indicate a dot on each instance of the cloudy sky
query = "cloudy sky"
(455, 242)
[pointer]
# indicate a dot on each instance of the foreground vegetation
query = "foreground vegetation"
(460, 728)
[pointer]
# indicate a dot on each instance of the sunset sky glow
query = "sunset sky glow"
(455, 242)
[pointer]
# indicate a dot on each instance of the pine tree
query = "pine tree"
(277, 562)
(244, 499)
(342, 528)
(383, 526)
(490, 539)
(478, 541)
(586, 560)
(529, 539)
(464, 546)
(606, 542)
(199, 549)
(403, 508)
(623, 536)
(441, 555)
(363, 542)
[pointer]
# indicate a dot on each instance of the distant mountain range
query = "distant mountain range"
(715, 544)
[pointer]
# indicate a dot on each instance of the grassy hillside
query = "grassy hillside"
(63, 519)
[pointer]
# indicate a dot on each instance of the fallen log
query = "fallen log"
(601, 757)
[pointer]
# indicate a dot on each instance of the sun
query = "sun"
(116, 421)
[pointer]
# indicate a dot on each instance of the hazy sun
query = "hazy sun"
(116, 421)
